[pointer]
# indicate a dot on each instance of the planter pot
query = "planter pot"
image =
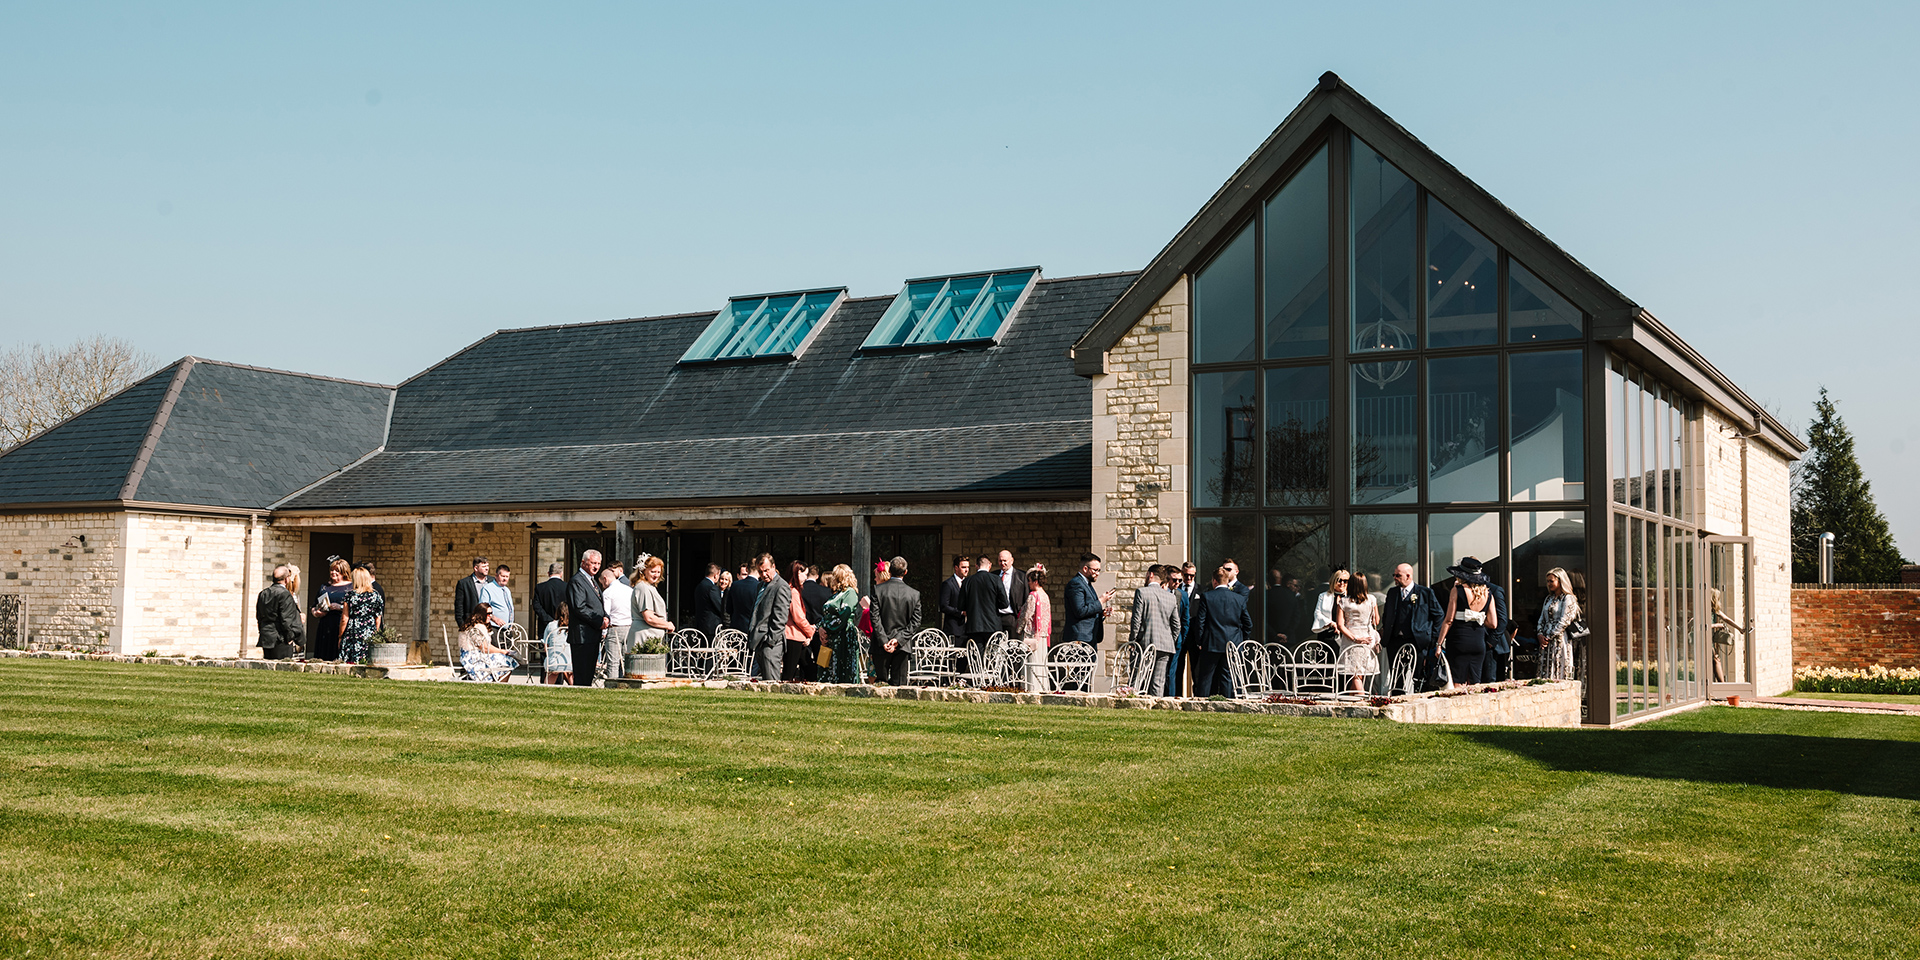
(646, 665)
(387, 655)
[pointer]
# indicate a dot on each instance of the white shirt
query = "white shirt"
(1323, 613)
(617, 600)
(1006, 581)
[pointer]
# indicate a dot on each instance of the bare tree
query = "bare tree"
(41, 386)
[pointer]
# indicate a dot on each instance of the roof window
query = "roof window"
(968, 310)
(765, 326)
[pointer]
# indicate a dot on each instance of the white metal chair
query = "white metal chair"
(1312, 670)
(1070, 665)
(731, 656)
(985, 665)
(1400, 675)
(1342, 675)
(517, 640)
(1252, 677)
(934, 658)
(691, 656)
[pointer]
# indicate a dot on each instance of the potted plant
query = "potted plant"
(648, 659)
(385, 650)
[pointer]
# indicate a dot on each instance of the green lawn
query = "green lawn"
(193, 812)
(1867, 697)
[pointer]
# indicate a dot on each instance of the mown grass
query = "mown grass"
(1864, 697)
(191, 812)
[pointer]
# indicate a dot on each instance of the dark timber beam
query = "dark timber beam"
(422, 583)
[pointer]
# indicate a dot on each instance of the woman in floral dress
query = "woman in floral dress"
(478, 656)
(365, 608)
(843, 627)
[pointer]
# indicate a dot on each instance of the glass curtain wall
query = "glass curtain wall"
(1657, 647)
(1377, 382)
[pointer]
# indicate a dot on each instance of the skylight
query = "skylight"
(772, 325)
(968, 309)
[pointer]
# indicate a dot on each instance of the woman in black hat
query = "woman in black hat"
(1470, 614)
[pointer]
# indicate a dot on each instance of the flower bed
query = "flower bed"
(1875, 679)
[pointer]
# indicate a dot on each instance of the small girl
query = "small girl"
(559, 655)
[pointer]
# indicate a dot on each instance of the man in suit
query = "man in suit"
(1177, 585)
(982, 597)
(1015, 583)
(277, 614)
(1156, 627)
(468, 592)
(767, 627)
(741, 597)
(587, 619)
(1086, 611)
(813, 599)
(1219, 620)
(709, 607)
(953, 615)
(1233, 577)
(896, 618)
(548, 597)
(1499, 638)
(1411, 615)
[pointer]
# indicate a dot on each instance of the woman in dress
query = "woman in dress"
(649, 607)
(1359, 628)
(799, 628)
(1036, 627)
(1556, 618)
(330, 611)
(1470, 614)
(478, 656)
(559, 658)
(842, 615)
(364, 609)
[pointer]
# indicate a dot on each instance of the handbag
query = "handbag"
(824, 658)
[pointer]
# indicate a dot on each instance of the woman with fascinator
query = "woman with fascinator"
(1470, 614)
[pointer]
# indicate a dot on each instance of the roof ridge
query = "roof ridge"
(289, 373)
(138, 471)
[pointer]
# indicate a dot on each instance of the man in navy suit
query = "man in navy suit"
(1220, 619)
(982, 597)
(709, 606)
(1177, 582)
(741, 597)
(1086, 610)
(1499, 638)
(1411, 615)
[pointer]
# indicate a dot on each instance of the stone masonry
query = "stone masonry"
(1140, 416)
(1856, 629)
(71, 587)
(1765, 509)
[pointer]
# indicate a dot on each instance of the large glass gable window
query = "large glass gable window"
(774, 325)
(970, 309)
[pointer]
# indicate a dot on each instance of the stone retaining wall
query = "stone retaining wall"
(286, 666)
(1856, 629)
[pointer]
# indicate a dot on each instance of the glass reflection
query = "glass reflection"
(1224, 418)
(1223, 317)
(1297, 442)
(1297, 567)
(1535, 311)
(1462, 282)
(1384, 251)
(1547, 422)
(1219, 539)
(1297, 264)
(1451, 536)
(1616, 434)
(1543, 542)
(1382, 541)
(1463, 460)
(1386, 437)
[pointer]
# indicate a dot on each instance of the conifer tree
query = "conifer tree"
(1832, 495)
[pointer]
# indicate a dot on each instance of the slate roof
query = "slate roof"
(200, 433)
(603, 412)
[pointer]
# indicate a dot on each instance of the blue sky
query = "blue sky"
(361, 189)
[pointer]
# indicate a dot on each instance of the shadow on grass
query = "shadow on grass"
(1861, 767)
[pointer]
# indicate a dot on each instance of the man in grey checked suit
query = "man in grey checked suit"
(767, 636)
(896, 618)
(1156, 627)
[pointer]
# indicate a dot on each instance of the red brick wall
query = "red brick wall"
(1856, 629)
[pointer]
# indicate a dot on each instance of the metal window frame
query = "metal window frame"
(763, 299)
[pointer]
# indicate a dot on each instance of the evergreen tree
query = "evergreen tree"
(1832, 495)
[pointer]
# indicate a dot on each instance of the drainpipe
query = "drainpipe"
(246, 579)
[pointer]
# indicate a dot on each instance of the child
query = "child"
(559, 655)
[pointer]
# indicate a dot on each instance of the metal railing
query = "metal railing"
(13, 621)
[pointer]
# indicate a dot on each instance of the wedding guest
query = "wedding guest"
(1410, 616)
(841, 614)
(503, 607)
(953, 615)
(1036, 627)
(648, 607)
(589, 618)
(1499, 662)
(364, 610)
(896, 618)
(1359, 629)
(1087, 611)
(767, 624)
(1557, 616)
(1220, 620)
(478, 656)
(277, 614)
(559, 665)
(814, 596)
(1156, 627)
(710, 601)
(330, 611)
(742, 595)
(616, 598)
(800, 630)
(1326, 609)
(982, 597)
(549, 597)
(1470, 614)
(1177, 583)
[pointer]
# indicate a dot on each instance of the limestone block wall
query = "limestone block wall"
(1768, 500)
(71, 587)
(454, 547)
(183, 583)
(1141, 409)
(1055, 539)
(1719, 478)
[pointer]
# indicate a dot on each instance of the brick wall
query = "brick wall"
(1768, 499)
(1140, 416)
(1856, 629)
(72, 592)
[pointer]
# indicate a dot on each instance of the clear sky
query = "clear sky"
(361, 189)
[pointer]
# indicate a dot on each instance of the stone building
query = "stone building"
(1351, 353)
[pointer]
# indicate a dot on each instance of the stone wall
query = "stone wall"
(1854, 629)
(184, 583)
(1140, 417)
(71, 587)
(1054, 539)
(454, 547)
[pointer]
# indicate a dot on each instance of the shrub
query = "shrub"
(1874, 679)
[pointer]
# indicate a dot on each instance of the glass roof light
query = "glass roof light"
(774, 326)
(969, 310)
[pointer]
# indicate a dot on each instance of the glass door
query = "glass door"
(1729, 607)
